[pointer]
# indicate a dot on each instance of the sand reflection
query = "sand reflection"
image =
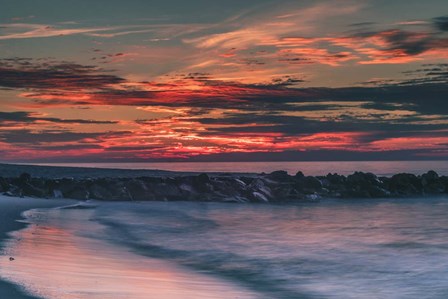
(53, 261)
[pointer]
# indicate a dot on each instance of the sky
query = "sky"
(175, 80)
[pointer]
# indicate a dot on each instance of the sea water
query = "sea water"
(380, 168)
(331, 249)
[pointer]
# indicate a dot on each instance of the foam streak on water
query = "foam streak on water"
(332, 249)
(54, 259)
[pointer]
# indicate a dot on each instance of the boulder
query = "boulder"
(202, 183)
(377, 192)
(336, 179)
(363, 180)
(166, 191)
(109, 189)
(57, 193)
(138, 190)
(79, 194)
(235, 199)
(429, 178)
(4, 184)
(203, 178)
(14, 191)
(259, 186)
(279, 176)
(312, 183)
(25, 177)
(299, 175)
(30, 190)
(259, 197)
(405, 184)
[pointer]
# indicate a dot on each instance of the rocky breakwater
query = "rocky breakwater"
(277, 186)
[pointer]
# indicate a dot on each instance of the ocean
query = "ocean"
(380, 168)
(331, 249)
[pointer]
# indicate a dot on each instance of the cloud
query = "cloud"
(28, 137)
(305, 55)
(13, 118)
(428, 74)
(293, 39)
(28, 74)
(29, 30)
(23, 30)
(441, 23)
(69, 84)
(390, 46)
(413, 23)
(399, 46)
(195, 114)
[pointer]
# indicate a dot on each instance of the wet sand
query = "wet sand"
(56, 258)
(10, 211)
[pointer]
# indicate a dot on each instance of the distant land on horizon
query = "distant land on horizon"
(287, 156)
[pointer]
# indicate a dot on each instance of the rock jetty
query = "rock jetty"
(277, 186)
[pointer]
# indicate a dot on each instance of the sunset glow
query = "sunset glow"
(184, 81)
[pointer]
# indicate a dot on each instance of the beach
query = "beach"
(56, 257)
(10, 211)
(335, 249)
(123, 238)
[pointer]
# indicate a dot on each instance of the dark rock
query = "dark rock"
(444, 182)
(432, 183)
(325, 182)
(14, 191)
(203, 178)
(336, 179)
(405, 184)
(109, 189)
(81, 194)
(139, 190)
(30, 190)
(259, 191)
(166, 190)
(229, 187)
(246, 180)
(236, 199)
(98, 191)
(73, 189)
(363, 180)
(57, 193)
(299, 175)
(312, 183)
(259, 197)
(201, 183)
(313, 197)
(429, 177)
(25, 177)
(277, 186)
(4, 185)
(279, 175)
(377, 192)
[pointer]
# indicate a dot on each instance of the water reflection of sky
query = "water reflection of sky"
(53, 261)
(332, 249)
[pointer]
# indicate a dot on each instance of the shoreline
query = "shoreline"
(11, 210)
(50, 251)
(155, 185)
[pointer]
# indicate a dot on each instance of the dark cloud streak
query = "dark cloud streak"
(27, 117)
(28, 74)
